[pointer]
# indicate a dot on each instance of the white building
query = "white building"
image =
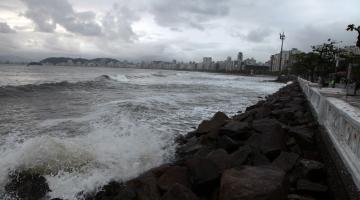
(287, 60)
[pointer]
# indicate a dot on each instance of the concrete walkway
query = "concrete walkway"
(340, 93)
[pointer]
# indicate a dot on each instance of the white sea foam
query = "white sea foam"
(119, 77)
(117, 149)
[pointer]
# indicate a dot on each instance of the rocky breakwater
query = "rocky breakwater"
(266, 153)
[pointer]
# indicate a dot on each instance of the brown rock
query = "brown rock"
(239, 157)
(206, 126)
(202, 171)
(179, 192)
(236, 130)
(172, 176)
(253, 183)
(286, 161)
(221, 158)
(146, 187)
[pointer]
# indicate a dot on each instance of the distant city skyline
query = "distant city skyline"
(163, 30)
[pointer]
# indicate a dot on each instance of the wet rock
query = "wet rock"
(27, 185)
(192, 146)
(206, 126)
(286, 161)
(158, 171)
(299, 197)
(271, 140)
(245, 117)
(262, 112)
(240, 156)
(304, 135)
(236, 130)
(266, 125)
(313, 170)
(203, 152)
(253, 183)
(113, 190)
(179, 192)
(307, 187)
(221, 158)
(227, 143)
(202, 171)
(258, 159)
(145, 187)
(180, 139)
(174, 175)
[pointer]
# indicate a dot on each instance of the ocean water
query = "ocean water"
(82, 127)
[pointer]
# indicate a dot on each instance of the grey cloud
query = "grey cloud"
(188, 13)
(258, 35)
(5, 28)
(117, 23)
(47, 14)
(310, 35)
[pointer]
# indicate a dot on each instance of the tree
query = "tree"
(328, 53)
(352, 27)
(306, 65)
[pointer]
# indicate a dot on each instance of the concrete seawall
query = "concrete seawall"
(342, 123)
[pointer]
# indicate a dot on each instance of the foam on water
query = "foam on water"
(117, 148)
(119, 77)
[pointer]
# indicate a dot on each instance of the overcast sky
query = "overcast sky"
(170, 29)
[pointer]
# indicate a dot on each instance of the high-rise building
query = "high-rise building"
(240, 56)
(207, 63)
(287, 59)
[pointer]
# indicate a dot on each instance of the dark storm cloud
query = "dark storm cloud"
(188, 13)
(47, 14)
(5, 28)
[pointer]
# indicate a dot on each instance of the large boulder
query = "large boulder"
(304, 186)
(313, 170)
(217, 121)
(221, 158)
(227, 143)
(145, 187)
(236, 130)
(202, 171)
(271, 138)
(266, 125)
(27, 185)
(179, 192)
(190, 147)
(286, 161)
(240, 156)
(304, 135)
(174, 175)
(253, 183)
(114, 190)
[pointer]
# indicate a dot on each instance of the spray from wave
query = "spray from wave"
(117, 147)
